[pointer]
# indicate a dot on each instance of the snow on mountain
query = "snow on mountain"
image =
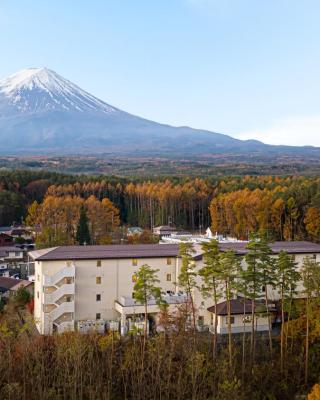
(41, 89)
(41, 112)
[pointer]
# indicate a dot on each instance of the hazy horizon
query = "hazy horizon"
(247, 70)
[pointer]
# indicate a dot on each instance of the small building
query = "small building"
(5, 239)
(241, 316)
(164, 230)
(10, 286)
(23, 283)
(134, 230)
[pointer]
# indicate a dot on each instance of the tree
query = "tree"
(187, 276)
(253, 279)
(210, 278)
(22, 297)
(83, 235)
(33, 214)
(103, 217)
(315, 393)
(310, 273)
(145, 289)
(229, 268)
(312, 221)
(287, 278)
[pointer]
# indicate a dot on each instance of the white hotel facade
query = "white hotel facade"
(87, 287)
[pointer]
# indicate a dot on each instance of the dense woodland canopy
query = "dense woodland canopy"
(287, 207)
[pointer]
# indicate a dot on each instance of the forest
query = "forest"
(288, 208)
(180, 362)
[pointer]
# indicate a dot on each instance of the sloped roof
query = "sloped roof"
(294, 247)
(107, 252)
(236, 306)
(156, 250)
(8, 283)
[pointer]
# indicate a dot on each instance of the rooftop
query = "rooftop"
(8, 283)
(156, 250)
(237, 306)
(106, 252)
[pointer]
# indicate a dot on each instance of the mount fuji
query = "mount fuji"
(41, 112)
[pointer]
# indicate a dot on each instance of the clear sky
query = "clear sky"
(247, 68)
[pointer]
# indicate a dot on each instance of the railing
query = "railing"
(127, 301)
(65, 326)
(66, 307)
(67, 272)
(64, 290)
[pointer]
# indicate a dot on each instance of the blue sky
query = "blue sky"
(247, 68)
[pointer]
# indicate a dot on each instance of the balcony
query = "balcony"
(127, 305)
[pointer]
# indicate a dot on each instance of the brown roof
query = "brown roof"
(236, 305)
(108, 252)
(8, 283)
(21, 283)
(297, 247)
(156, 250)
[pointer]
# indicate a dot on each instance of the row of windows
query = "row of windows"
(134, 262)
(134, 279)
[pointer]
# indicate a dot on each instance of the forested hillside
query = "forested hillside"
(286, 207)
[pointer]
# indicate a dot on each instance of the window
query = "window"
(68, 299)
(231, 320)
(169, 261)
(98, 297)
(169, 277)
(99, 263)
(17, 253)
(134, 262)
(98, 316)
(133, 295)
(247, 319)
(201, 320)
(98, 280)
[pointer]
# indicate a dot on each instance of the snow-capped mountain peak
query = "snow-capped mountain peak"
(41, 89)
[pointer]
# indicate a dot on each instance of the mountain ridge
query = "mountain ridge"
(41, 111)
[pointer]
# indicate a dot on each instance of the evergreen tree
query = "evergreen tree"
(287, 278)
(83, 235)
(229, 268)
(310, 273)
(210, 279)
(187, 276)
(145, 289)
(254, 279)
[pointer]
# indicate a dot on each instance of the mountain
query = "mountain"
(40, 111)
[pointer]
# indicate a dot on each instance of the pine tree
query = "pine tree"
(210, 279)
(310, 273)
(229, 267)
(83, 235)
(145, 289)
(253, 278)
(187, 276)
(287, 278)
